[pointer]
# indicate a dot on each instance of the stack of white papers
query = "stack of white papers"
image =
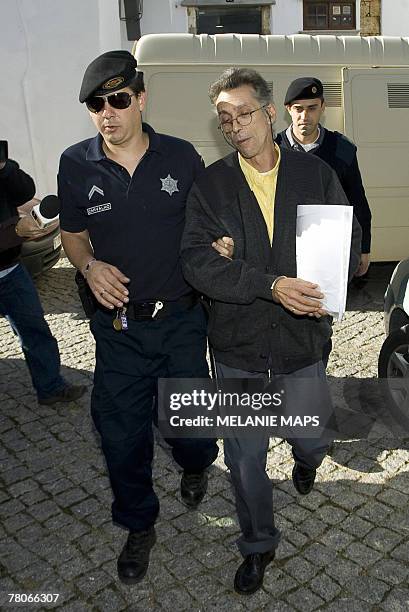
(323, 248)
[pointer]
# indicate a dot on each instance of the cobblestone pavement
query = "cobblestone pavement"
(345, 546)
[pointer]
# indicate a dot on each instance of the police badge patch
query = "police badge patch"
(169, 184)
(114, 82)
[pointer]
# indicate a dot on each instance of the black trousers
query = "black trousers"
(128, 364)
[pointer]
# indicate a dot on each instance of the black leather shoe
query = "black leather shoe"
(303, 478)
(133, 561)
(193, 488)
(249, 576)
(69, 393)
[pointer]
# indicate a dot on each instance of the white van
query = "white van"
(366, 85)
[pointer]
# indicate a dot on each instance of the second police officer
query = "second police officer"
(305, 103)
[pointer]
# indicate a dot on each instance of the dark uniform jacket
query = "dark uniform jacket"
(134, 223)
(340, 154)
(16, 188)
(245, 325)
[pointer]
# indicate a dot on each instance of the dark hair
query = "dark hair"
(236, 77)
(137, 85)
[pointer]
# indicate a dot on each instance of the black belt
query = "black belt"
(143, 311)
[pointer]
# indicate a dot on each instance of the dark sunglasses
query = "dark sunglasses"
(121, 100)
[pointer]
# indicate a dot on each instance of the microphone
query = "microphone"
(46, 213)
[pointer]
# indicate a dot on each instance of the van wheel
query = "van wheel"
(393, 372)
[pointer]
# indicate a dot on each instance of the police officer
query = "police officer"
(123, 196)
(19, 300)
(305, 103)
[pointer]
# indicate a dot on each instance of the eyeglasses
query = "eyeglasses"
(242, 119)
(120, 100)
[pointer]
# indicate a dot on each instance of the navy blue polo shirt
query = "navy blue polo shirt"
(134, 223)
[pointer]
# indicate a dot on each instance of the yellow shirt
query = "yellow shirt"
(263, 185)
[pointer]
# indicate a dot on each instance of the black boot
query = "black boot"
(193, 488)
(303, 478)
(133, 561)
(249, 576)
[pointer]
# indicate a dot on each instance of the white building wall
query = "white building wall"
(287, 17)
(45, 47)
(162, 16)
(112, 31)
(395, 17)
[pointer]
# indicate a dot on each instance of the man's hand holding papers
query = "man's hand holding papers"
(299, 296)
